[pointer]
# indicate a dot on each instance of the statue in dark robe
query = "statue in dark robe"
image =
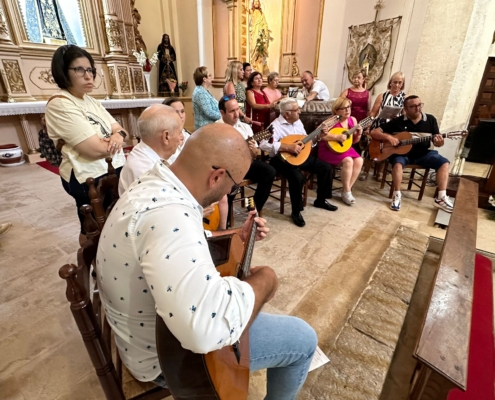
(167, 76)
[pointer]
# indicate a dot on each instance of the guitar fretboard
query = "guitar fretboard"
(316, 132)
(421, 139)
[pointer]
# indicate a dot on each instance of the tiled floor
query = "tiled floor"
(41, 352)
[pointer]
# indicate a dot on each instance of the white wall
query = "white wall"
(337, 18)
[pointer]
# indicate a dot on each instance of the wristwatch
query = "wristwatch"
(122, 133)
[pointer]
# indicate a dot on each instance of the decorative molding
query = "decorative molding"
(138, 80)
(113, 79)
(114, 34)
(46, 76)
(129, 36)
(14, 76)
(136, 20)
(295, 68)
(125, 86)
(4, 30)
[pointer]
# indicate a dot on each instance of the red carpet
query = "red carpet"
(48, 166)
(481, 367)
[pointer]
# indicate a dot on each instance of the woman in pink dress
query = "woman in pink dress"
(359, 96)
(349, 161)
(271, 90)
(258, 107)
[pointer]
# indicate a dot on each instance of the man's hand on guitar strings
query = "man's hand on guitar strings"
(393, 141)
(262, 229)
(438, 141)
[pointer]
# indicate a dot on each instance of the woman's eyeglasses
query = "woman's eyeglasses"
(344, 108)
(236, 188)
(228, 97)
(80, 71)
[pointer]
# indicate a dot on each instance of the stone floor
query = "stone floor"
(42, 356)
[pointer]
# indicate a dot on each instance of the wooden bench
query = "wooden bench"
(443, 350)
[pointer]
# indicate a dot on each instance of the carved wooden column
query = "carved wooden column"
(4, 30)
(289, 70)
(132, 123)
(33, 156)
(233, 30)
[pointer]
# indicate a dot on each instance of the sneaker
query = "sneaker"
(363, 176)
(396, 203)
(347, 199)
(353, 200)
(445, 204)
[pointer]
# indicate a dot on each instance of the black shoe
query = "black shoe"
(325, 205)
(298, 219)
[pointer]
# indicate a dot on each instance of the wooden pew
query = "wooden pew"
(443, 347)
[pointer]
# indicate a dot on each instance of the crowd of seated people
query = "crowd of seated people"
(154, 249)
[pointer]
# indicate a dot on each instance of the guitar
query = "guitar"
(222, 374)
(262, 135)
(212, 221)
(381, 150)
(298, 159)
(342, 147)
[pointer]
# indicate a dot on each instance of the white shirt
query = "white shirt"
(140, 160)
(153, 255)
(320, 88)
(281, 129)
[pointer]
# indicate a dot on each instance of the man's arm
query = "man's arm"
(311, 96)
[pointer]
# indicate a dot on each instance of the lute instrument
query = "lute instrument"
(222, 374)
(212, 221)
(381, 149)
(262, 135)
(342, 147)
(305, 142)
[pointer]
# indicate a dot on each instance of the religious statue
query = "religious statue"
(136, 20)
(167, 77)
(46, 22)
(259, 38)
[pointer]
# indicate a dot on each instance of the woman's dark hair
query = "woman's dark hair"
(171, 100)
(245, 65)
(253, 75)
(62, 59)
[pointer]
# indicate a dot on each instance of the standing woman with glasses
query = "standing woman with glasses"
(205, 106)
(350, 161)
(88, 131)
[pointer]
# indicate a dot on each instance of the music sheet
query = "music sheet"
(318, 360)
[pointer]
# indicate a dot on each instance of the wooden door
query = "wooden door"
(484, 107)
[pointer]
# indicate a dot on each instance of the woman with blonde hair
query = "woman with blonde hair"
(271, 90)
(234, 87)
(394, 97)
(350, 161)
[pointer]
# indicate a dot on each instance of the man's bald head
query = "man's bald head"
(213, 145)
(157, 118)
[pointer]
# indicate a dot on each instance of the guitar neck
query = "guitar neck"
(312, 135)
(363, 124)
(248, 252)
(421, 139)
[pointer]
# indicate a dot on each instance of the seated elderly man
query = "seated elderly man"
(259, 171)
(314, 88)
(288, 123)
(160, 129)
(153, 258)
(415, 120)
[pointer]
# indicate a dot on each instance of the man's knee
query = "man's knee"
(305, 335)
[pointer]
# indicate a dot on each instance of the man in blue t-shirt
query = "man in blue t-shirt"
(416, 121)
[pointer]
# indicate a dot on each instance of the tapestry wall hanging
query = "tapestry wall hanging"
(368, 50)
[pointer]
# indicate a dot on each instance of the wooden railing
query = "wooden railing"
(443, 347)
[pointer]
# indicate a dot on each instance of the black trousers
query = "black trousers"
(295, 178)
(263, 174)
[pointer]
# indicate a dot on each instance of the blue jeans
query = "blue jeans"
(284, 346)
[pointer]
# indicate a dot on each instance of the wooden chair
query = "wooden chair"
(94, 328)
(411, 181)
(107, 186)
(282, 188)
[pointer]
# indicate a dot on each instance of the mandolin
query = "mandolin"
(381, 149)
(222, 374)
(342, 147)
(212, 221)
(263, 135)
(305, 142)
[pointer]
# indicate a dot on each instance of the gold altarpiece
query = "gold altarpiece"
(111, 33)
(293, 41)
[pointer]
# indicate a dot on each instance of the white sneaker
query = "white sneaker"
(445, 204)
(348, 199)
(396, 200)
(353, 200)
